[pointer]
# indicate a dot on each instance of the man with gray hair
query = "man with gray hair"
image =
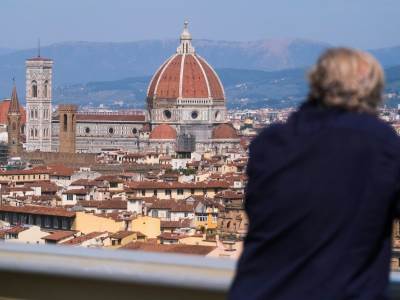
(323, 192)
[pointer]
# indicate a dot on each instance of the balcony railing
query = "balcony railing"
(54, 272)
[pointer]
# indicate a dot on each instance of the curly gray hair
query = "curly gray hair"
(347, 78)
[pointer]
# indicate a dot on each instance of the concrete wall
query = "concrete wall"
(147, 225)
(87, 222)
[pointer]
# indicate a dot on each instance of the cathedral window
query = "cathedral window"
(87, 130)
(14, 126)
(34, 89)
(167, 114)
(36, 132)
(110, 130)
(195, 114)
(45, 88)
(134, 130)
(31, 113)
(36, 113)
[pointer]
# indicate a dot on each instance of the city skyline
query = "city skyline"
(363, 24)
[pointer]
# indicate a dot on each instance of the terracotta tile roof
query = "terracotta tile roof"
(38, 210)
(87, 183)
(4, 107)
(113, 204)
(177, 248)
(15, 229)
(228, 194)
(224, 131)
(194, 84)
(183, 223)
(60, 170)
(33, 171)
(122, 234)
(46, 186)
(76, 192)
(171, 236)
(59, 235)
(216, 88)
(20, 189)
(194, 79)
(177, 185)
(167, 86)
(105, 204)
(83, 238)
(163, 132)
(85, 203)
(172, 205)
(110, 178)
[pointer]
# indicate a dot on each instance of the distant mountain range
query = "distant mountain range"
(244, 89)
(104, 64)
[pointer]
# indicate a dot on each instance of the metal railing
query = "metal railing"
(55, 272)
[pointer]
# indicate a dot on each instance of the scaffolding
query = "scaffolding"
(3, 153)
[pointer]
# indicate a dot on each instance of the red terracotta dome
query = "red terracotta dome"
(163, 132)
(224, 131)
(185, 75)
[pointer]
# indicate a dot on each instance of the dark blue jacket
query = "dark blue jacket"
(321, 199)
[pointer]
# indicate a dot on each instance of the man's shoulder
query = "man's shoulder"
(271, 131)
(369, 125)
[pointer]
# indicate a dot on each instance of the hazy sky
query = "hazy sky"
(357, 23)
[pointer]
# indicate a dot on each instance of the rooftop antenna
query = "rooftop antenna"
(38, 47)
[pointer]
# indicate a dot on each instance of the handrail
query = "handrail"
(60, 272)
(48, 272)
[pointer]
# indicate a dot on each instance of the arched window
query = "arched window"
(36, 132)
(31, 113)
(46, 83)
(36, 113)
(14, 126)
(65, 123)
(32, 133)
(34, 89)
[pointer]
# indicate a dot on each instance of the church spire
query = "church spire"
(186, 40)
(14, 104)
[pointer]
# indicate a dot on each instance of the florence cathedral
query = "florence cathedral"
(186, 112)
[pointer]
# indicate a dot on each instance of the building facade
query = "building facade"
(186, 112)
(39, 73)
(14, 125)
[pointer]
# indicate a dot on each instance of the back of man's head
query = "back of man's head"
(347, 78)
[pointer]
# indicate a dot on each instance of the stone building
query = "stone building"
(39, 73)
(232, 219)
(67, 130)
(186, 112)
(14, 125)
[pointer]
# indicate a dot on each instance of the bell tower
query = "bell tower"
(38, 103)
(67, 136)
(14, 125)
